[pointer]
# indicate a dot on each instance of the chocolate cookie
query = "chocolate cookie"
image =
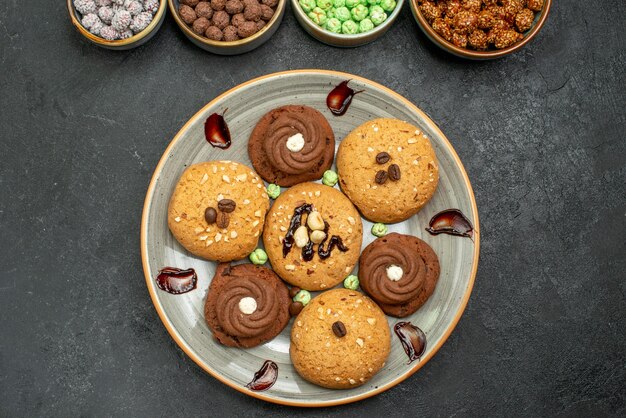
(399, 272)
(313, 236)
(217, 210)
(388, 169)
(247, 305)
(292, 144)
(340, 340)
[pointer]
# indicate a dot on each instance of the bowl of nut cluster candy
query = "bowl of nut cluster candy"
(480, 29)
(117, 24)
(228, 27)
(346, 23)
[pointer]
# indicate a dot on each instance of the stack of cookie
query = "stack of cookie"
(312, 236)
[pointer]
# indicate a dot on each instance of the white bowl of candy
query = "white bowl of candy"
(117, 24)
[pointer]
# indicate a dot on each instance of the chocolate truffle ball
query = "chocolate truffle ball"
(221, 19)
(266, 12)
(234, 6)
(230, 33)
(260, 24)
(252, 12)
(237, 20)
(218, 4)
(204, 9)
(246, 29)
(187, 14)
(200, 25)
(214, 33)
(190, 3)
(270, 3)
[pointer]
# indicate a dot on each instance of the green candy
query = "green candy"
(273, 190)
(303, 296)
(350, 27)
(324, 4)
(331, 13)
(379, 230)
(307, 5)
(258, 256)
(334, 25)
(339, 3)
(330, 178)
(365, 25)
(388, 5)
(318, 16)
(359, 13)
(377, 15)
(343, 14)
(352, 3)
(351, 282)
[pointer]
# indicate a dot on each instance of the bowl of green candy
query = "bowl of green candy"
(346, 23)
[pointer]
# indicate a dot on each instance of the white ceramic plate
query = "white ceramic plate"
(182, 315)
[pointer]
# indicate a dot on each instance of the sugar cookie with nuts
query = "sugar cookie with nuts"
(313, 236)
(340, 340)
(388, 169)
(217, 210)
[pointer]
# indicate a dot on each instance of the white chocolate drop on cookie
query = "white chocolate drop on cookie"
(247, 305)
(295, 143)
(394, 273)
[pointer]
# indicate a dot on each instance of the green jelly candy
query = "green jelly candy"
(350, 27)
(330, 178)
(324, 4)
(377, 15)
(334, 25)
(318, 16)
(351, 282)
(379, 229)
(342, 13)
(352, 3)
(359, 13)
(388, 5)
(307, 5)
(339, 3)
(303, 296)
(258, 256)
(273, 190)
(331, 13)
(365, 25)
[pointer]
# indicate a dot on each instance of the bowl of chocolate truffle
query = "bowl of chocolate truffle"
(346, 23)
(117, 24)
(480, 29)
(228, 27)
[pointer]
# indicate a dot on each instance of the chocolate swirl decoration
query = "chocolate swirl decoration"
(412, 255)
(275, 145)
(236, 323)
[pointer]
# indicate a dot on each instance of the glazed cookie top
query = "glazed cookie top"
(388, 168)
(313, 236)
(340, 339)
(292, 144)
(217, 210)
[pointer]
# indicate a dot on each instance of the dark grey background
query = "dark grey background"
(541, 134)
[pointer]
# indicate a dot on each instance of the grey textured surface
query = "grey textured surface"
(541, 134)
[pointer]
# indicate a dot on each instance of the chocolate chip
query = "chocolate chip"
(226, 205)
(382, 158)
(394, 172)
(339, 329)
(210, 215)
(381, 177)
(222, 220)
(295, 308)
(294, 291)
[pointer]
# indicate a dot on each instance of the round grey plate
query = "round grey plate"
(182, 315)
